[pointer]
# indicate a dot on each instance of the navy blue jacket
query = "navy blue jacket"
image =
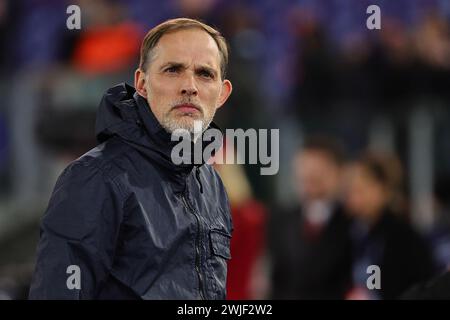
(134, 223)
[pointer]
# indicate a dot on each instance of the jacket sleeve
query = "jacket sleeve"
(78, 235)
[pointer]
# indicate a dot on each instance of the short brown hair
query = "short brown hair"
(330, 147)
(152, 37)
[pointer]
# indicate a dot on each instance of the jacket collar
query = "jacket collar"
(124, 113)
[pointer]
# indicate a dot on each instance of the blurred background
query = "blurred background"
(364, 119)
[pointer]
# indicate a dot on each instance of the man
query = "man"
(124, 221)
(310, 244)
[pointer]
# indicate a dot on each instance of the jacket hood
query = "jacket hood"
(124, 113)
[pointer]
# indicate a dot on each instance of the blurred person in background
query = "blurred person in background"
(104, 51)
(124, 219)
(108, 41)
(431, 45)
(310, 247)
(316, 70)
(440, 232)
(242, 26)
(246, 270)
(381, 235)
(438, 287)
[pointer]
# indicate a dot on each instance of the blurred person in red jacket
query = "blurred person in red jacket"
(108, 41)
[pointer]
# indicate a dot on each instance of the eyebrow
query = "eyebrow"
(173, 64)
(183, 66)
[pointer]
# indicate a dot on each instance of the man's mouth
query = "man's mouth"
(187, 108)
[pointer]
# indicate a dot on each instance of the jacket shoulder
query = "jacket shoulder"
(83, 195)
(105, 158)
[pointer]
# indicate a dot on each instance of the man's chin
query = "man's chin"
(183, 123)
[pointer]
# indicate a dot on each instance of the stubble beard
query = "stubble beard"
(172, 121)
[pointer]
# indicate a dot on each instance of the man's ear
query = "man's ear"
(225, 93)
(139, 82)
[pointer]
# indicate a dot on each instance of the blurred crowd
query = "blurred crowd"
(351, 214)
(364, 123)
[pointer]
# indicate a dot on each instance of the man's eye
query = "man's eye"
(171, 70)
(206, 74)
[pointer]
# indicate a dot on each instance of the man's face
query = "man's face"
(364, 196)
(183, 82)
(317, 176)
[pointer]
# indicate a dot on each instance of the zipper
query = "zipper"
(197, 247)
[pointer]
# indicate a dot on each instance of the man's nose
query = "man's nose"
(188, 86)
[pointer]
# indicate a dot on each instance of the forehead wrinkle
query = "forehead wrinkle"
(177, 47)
